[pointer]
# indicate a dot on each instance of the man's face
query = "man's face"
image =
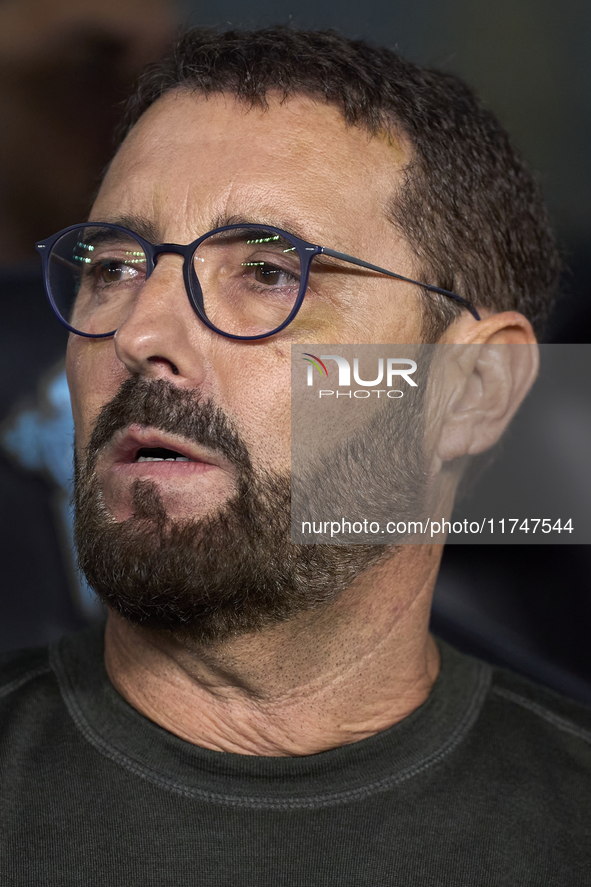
(188, 166)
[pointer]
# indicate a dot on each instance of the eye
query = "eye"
(271, 275)
(115, 272)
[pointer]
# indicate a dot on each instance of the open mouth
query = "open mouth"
(191, 476)
(137, 445)
(159, 454)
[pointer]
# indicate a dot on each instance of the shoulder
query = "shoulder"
(536, 743)
(522, 760)
(28, 691)
(506, 703)
(34, 710)
(20, 669)
(539, 709)
(29, 695)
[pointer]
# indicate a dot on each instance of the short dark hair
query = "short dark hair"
(468, 206)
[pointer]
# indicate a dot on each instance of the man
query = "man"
(260, 712)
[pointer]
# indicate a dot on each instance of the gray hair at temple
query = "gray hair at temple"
(467, 205)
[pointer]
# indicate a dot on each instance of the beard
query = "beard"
(232, 572)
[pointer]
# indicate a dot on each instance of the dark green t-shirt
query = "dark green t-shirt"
(487, 783)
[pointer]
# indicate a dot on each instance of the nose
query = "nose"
(162, 337)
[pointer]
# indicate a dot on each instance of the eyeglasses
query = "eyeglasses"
(243, 281)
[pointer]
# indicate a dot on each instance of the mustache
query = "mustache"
(160, 404)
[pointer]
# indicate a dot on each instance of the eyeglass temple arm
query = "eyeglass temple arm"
(434, 289)
(62, 261)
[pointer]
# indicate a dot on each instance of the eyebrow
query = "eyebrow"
(138, 224)
(284, 225)
(148, 229)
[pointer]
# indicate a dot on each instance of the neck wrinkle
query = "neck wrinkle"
(323, 680)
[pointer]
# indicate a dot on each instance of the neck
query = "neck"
(324, 679)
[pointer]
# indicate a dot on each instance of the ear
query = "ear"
(493, 368)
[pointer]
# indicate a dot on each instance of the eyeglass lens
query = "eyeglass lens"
(248, 279)
(245, 280)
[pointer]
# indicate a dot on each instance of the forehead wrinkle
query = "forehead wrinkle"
(151, 231)
(191, 208)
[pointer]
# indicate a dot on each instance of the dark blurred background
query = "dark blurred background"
(65, 67)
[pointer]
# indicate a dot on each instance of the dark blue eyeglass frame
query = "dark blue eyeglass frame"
(306, 251)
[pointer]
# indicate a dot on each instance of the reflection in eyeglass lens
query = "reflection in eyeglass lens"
(249, 280)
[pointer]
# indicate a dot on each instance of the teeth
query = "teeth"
(160, 459)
